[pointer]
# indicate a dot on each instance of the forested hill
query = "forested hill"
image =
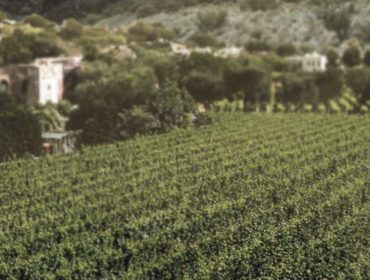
(315, 23)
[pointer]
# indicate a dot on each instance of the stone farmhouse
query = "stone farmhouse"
(39, 82)
(312, 62)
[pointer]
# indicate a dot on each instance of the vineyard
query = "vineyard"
(248, 197)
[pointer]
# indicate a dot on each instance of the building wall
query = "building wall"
(50, 82)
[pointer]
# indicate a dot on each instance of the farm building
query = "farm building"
(40, 82)
(312, 62)
(59, 142)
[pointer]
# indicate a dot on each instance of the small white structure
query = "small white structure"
(203, 50)
(48, 76)
(180, 49)
(312, 62)
(41, 81)
(59, 142)
(229, 52)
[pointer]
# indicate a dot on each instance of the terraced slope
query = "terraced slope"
(249, 197)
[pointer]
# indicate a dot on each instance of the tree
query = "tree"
(204, 87)
(121, 100)
(338, 17)
(252, 82)
(36, 20)
(333, 58)
(358, 79)
(352, 56)
(367, 58)
(286, 50)
(22, 47)
(205, 40)
(202, 62)
(71, 29)
(331, 84)
(172, 106)
(20, 129)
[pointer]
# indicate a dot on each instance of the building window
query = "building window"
(49, 87)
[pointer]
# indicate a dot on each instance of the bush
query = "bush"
(256, 5)
(142, 31)
(203, 119)
(20, 130)
(258, 46)
(286, 50)
(21, 47)
(36, 20)
(204, 40)
(352, 56)
(146, 10)
(367, 58)
(209, 21)
(71, 29)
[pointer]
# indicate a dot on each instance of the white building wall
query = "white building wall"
(50, 82)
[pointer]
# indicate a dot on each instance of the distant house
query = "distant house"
(180, 49)
(312, 62)
(203, 50)
(59, 142)
(229, 52)
(40, 82)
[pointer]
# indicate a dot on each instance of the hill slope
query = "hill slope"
(296, 22)
(249, 197)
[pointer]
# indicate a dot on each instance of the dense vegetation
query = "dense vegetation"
(282, 196)
(20, 131)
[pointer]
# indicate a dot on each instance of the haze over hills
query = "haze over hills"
(273, 21)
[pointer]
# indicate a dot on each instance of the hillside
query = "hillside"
(253, 196)
(291, 23)
(278, 21)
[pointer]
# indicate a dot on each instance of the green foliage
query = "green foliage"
(142, 31)
(171, 105)
(49, 117)
(202, 39)
(253, 82)
(254, 196)
(259, 5)
(259, 46)
(358, 79)
(2, 16)
(110, 96)
(71, 29)
(367, 58)
(23, 47)
(338, 17)
(20, 129)
(333, 58)
(205, 87)
(36, 20)
(286, 49)
(210, 21)
(331, 84)
(299, 89)
(352, 56)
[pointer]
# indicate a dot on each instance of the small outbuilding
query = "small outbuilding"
(59, 142)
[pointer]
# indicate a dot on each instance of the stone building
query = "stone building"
(40, 82)
(312, 62)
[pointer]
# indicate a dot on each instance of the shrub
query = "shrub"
(256, 5)
(36, 20)
(205, 40)
(258, 46)
(209, 21)
(352, 56)
(286, 49)
(71, 29)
